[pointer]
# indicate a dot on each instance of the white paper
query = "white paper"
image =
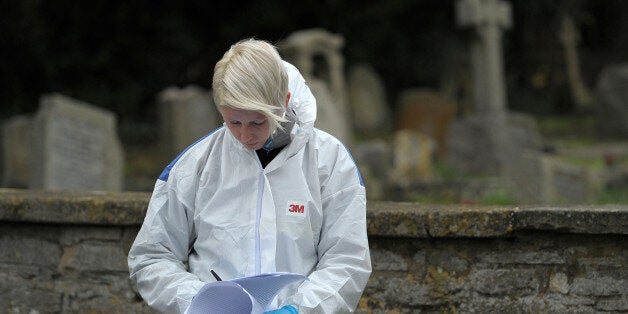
(245, 295)
(221, 297)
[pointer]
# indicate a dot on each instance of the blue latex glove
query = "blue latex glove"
(288, 309)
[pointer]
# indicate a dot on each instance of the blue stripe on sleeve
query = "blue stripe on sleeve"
(166, 172)
(355, 164)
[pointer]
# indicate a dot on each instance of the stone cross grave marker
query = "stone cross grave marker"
(493, 150)
(75, 146)
(490, 18)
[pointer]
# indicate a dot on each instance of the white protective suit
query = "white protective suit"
(215, 207)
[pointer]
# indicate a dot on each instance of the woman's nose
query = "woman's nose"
(247, 133)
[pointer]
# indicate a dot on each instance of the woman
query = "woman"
(267, 193)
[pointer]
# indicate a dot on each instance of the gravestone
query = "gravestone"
(429, 113)
(316, 53)
(327, 117)
(611, 102)
(489, 18)
(412, 158)
(571, 184)
(374, 158)
(75, 146)
(185, 115)
(545, 179)
(472, 148)
(487, 141)
(16, 151)
(367, 100)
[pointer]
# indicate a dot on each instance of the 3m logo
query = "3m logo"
(296, 208)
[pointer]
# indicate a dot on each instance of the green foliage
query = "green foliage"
(498, 199)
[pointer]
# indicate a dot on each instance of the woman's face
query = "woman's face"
(249, 127)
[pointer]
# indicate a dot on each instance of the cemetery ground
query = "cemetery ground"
(571, 139)
(575, 140)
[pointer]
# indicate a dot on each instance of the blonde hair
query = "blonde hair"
(251, 76)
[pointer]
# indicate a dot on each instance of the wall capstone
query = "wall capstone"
(65, 251)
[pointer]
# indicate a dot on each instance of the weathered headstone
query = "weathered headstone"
(374, 158)
(185, 115)
(327, 116)
(367, 100)
(75, 146)
(472, 149)
(428, 112)
(543, 179)
(611, 102)
(16, 151)
(316, 53)
(487, 140)
(412, 158)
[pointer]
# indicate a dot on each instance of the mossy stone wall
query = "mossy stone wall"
(65, 252)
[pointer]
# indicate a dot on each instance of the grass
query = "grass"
(613, 196)
(498, 199)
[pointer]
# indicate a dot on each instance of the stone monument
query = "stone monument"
(367, 100)
(16, 151)
(611, 102)
(185, 115)
(428, 112)
(489, 18)
(75, 146)
(413, 160)
(489, 140)
(316, 53)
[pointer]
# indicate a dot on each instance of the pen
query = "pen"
(215, 275)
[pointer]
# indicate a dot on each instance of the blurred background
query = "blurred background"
(119, 55)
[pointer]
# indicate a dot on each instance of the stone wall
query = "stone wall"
(498, 260)
(65, 252)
